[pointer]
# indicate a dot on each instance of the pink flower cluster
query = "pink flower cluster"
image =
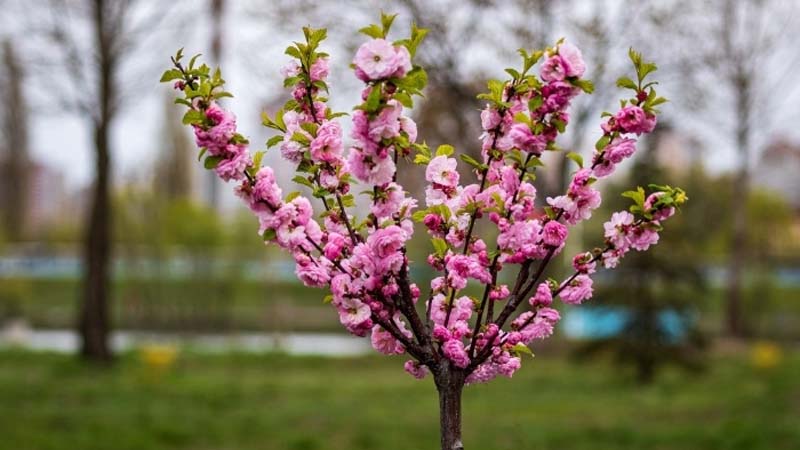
(365, 264)
(623, 232)
(217, 137)
(379, 59)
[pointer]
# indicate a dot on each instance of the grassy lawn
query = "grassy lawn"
(225, 304)
(277, 402)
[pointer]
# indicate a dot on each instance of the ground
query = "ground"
(279, 402)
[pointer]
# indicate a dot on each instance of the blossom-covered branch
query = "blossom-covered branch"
(364, 262)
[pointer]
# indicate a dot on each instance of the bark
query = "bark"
(450, 384)
(741, 189)
(93, 323)
(14, 184)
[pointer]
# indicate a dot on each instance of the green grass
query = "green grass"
(228, 303)
(277, 402)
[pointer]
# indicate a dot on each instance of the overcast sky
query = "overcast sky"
(62, 141)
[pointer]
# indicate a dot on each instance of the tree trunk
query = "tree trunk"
(450, 384)
(741, 189)
(94, 322)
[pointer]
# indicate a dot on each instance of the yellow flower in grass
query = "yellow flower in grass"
(766, 355)
(157, 359)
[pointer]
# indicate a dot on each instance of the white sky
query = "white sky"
(64, 141)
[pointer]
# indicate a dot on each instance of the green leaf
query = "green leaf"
(171, 74)
(192, 61)
(193, 117)
(522, 118)
(301, 138)
(445, 150)
(637, 196)
(348, 200)
(421, 159)
(576, 157)
(299, 179)
(211, 162)
(373, 31)
(293, 52)
(625, 82)
(439, 246)
(522, 349)
(414, 81)
(386, 22)
(269, 234)
(418, 216)
(274, 140)
(472, 161)
(585, 85)
(514, 73)
(292, 196)
(310, 128)
(259, 155)
(404, 99)
(327, 299)
(602, 142)
(203, 151)
(373, 99)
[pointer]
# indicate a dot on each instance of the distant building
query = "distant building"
(778, 169)
(48, 199)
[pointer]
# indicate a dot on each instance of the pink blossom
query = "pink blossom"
(611, 258)
(442, 171)
(543, 296)
(659, 214)
(353, 313)
(403, 61)
(619, 149)
(291, 69)
(577, 290)
(385, 343)
(490, 118)
(572, 60)
(265, 188)
(584, 263)
(633, 119)
(389, 201)
(377, 59)
(386, 241)
(333, 248)
(292, 150)
(523, 138)
(387, 124)
(415, 369)
(454, 351)
(232, 168)
(554, 233)
(216, 137)
(616, 229)
(327, 146)
(319, 70)
(642, 237)
(554, 69)
(313, 275)
(370, 169)
(408, 126)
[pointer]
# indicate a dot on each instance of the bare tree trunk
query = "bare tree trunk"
(14, 186)
(741, 189)
(94, 324)
(94, 321)
(450, 384)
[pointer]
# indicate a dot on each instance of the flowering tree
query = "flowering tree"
(457, 339)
